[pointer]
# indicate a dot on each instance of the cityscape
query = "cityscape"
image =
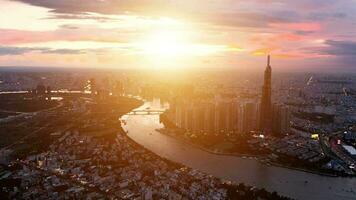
(178, 100)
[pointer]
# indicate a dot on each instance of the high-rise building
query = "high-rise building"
(180, 115)
(266, 101)
(285, 120)
(250, 117)
(276, 118)
(280, 119)
(40, 89)
(221, 116)
(240, 118)
(119, 88)
(198, 117)
(234, 116)
(189, 117)
(209, 118)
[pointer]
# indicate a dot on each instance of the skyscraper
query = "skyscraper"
(280, 119)
(266, 102)
(209, 118)
(250, 117)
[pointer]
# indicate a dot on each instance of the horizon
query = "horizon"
(202, 69)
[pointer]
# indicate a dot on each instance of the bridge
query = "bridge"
(145, 112)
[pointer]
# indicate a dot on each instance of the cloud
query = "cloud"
(335, 48)
(81, 16)
(343, 48)
(299, 32)
(4, 51)
(304, 26)
(63, 51)
(338, 53)
(99, 6)
(243, 19)
(63, 33)
(322, 16)
(68, 26)
(254, 13)
(223, 12)
(284, 26)
(9, 50)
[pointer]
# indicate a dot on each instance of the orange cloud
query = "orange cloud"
(262, 51)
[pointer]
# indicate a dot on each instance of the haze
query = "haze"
(155, 34)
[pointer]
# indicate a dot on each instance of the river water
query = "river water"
(291, 183)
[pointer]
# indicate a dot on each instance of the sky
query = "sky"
(313, 35)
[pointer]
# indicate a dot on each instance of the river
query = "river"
(291, 183)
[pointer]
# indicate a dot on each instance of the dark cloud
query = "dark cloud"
(308, 4)
(81, 16)
(257, 20)
(288, 9)
(13, 50)
(340, 48)
(68, 26)
(304, 32)
(234, 13)
(343, 53)
(334, 48)
(63, 51)
(99, 6)
(322, 16)
(205, 11)
(8, 50)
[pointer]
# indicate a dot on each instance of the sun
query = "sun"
(165, 44)
(173, 48)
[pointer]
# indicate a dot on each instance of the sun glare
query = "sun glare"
(165, 44)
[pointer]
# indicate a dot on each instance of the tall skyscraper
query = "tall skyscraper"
(266, 101)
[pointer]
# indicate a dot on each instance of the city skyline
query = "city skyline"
(232, 114)
(178, 99)
(179, 35)
(102, 134)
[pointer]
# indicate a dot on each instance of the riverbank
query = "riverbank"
(89, 154)
(95, 158)
(165, 131)
(293, 183)
(245, 156)
(234, 191)
(263, 158)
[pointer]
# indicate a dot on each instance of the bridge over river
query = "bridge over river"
(146, 112)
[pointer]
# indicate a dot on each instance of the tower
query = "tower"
(266, 100)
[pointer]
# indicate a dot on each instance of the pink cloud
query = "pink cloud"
(12, 36)
(308, 26)
(287, 37)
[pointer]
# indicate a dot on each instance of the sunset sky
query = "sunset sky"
(300, 35)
